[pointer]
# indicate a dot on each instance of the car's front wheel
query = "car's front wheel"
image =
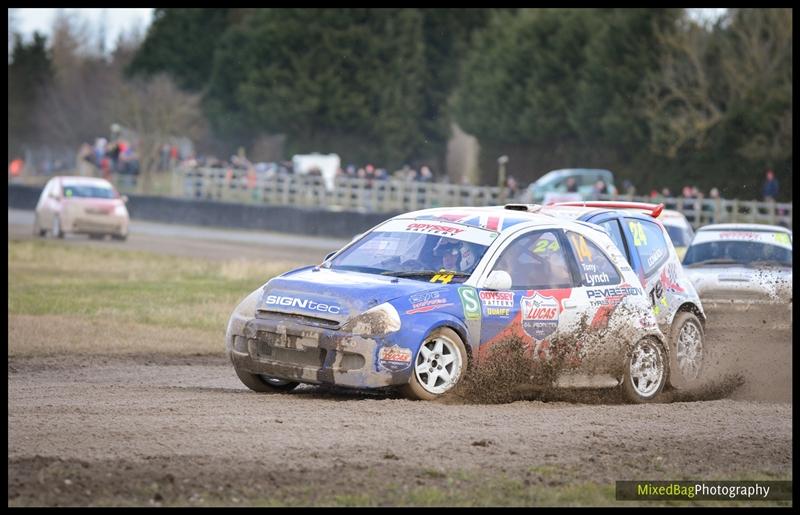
(439, 365)
(38, 231)
(646, 371)
(57, 232)
(688, 353)
(263, 383)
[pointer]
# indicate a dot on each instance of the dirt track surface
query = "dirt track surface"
(145, 430)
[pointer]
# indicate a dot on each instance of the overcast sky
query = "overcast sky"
(117, 20)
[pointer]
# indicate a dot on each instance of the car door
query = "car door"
(542, 281)
(652, 255)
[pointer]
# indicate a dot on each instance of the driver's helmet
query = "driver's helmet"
(449, 252)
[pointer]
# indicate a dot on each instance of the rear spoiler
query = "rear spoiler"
(653, 209)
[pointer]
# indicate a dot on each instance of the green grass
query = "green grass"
(472, 488)
(83, 285)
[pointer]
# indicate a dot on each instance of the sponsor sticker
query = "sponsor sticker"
(669, 277)
(782, 238)
(470, 303)
(539, 316)
(394, 358)
(426, 301)
(655, 256)
(433, 228)
(497, 303)
(295, 302)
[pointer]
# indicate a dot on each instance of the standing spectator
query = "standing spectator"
(665, 192)
(85, 161)
(513, 187)
(572, 185)
(630, 189)
(425, 174)
(600, 188)
(770, 190)
(15, 167)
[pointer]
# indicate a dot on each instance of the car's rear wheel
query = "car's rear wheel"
(263, 383)
(120, 237)
(646, 371)
(687, 351)
(439, 365)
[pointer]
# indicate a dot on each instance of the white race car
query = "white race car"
(679, 229)
(744, 267)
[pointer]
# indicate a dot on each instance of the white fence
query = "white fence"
(392, 196)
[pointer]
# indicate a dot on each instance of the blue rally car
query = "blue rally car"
(420, 298)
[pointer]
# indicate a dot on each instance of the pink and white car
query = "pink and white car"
(81, 205)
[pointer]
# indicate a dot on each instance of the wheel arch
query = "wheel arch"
(691, 307)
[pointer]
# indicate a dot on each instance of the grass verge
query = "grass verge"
(107, 301)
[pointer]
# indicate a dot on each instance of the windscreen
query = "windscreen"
(738, 252)
(680, 237)
(88, 191)
(416, 255)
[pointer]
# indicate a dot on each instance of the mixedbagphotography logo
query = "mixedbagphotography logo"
(704, 490)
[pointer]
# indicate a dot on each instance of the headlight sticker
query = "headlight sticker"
(394, 358)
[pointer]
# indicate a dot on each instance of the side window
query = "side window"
(648, 240)
(536, 261)
(612, 226)
(595, 267)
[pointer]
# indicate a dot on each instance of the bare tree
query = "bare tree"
(695, 90)
(73, 109)
(678, 102)
(157, 112)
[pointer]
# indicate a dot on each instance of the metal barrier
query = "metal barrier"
(349, 194)
(393, 196)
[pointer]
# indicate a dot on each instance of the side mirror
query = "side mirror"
(55, 195)
(497, 280)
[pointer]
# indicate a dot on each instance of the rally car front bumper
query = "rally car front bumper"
(294, 351)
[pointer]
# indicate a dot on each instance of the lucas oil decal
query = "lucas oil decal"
(497, 303)
(539, 316)
(394, 358)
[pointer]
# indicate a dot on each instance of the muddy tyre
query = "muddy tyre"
(646, 372)
(688, 353)
(264, 384)
(438, 366)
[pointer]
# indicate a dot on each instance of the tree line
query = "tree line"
(652, 94)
